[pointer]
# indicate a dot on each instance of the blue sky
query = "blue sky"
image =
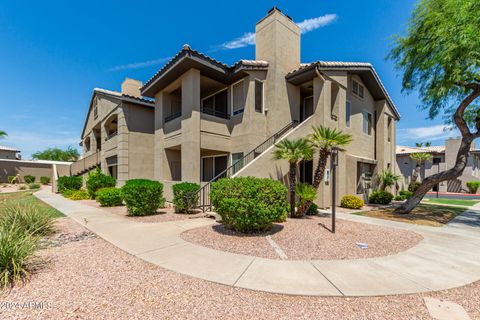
(53, 53)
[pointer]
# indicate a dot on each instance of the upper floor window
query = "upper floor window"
(95, 108)
(348, 114)
(358, 89)
(238, 101)
(367, 122)
(259, 88)
(389, 129)
(216, 104)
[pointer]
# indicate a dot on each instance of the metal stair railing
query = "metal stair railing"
(203, 194)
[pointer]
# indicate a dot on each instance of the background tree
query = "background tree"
(387, 179)
(3, 134)
(420, 158)
(293, 151)
(324, 140)
(440, 57)
(419, 144)
(57, 154)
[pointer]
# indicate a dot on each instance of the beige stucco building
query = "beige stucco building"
(9, 153)
(209, 116)
(443, 158)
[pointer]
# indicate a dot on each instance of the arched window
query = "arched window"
(111, 126)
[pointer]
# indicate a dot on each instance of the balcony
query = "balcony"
(215, 113)
(173, 116)
(85, 164)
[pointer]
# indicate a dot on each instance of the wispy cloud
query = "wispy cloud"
(423, 134)
(306, 25)
(138, 65)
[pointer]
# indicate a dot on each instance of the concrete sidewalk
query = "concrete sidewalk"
(447, 257)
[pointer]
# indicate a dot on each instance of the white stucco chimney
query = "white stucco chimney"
(131, 87)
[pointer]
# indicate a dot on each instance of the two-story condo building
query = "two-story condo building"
(209, 116)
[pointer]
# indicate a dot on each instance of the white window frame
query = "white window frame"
(363, 122)
(213, 156)
(348, 123)
(263, 95)
(231, 98)
(359, 85)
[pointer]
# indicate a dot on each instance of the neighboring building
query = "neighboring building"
(118, 134)
(443, 158)
(36, 168)
(209, 115)
(9, 153)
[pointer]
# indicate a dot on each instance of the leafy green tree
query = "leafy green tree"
(3, 134)
(439, 57)
(293, 151)
(57, 154)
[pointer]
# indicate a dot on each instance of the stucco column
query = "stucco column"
(122, 148)
(381, 135)
(159, 152)
(103, 136)
(191, 126)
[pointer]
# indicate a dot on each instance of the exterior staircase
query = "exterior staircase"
(204, 193)
(84, 165)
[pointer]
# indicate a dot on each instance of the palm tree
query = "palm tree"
(419, 144)
(428, 144)
(293, 151)
(387, 179)
(3, 134)
(325, 139)
(420, 158)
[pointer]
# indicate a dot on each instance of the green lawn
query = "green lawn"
(453, 202)
(26, 197)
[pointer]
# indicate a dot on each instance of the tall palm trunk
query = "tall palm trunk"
(416, 173)
(318, 176)
(292, 173)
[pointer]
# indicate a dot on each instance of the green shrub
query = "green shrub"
(12, 179)
(16, 249)
(34, 186)
(44, 180)
(109, 197)
(473, 186)
(30, 218)
(22, 187)
(399, 198)
(406, 194)
(29, 178)
(249, 204)
(380, 197)
(143, 196)
(97, 180)
(76, 194)
(306, 193)
(413, 186)
(69, 183)
(312, 210)
(185, 196)
(351, 202)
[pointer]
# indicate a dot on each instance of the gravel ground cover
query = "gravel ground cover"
(309, 238)
(91, 279)
(162, 215)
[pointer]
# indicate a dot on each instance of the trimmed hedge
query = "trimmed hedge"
(473, 186)
(143, 196)
(44, 180)
(249, 204)
(109, 197)
(34, 186)
(351, 202)
(29, 178)
(185, 196)
(380, 197)
(69, 183)
(97, 180)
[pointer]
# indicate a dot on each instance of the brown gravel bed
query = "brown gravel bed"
(162, 215)
(307, 239)
(92, 279)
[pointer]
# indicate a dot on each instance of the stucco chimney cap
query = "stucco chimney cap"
(186, 46)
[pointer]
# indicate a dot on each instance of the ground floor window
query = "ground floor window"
(112, 166)
(364, 176)
(212, 166)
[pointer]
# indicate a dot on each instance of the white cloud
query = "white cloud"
(423, 134)
(138, 65)
(306, 25)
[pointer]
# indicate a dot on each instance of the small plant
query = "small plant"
(143, 196)
(185, 196)
(405, 194)
(473, 186)
(29, 178)
(351, 202)
(312, 210)
(76, 194)
(31, 219)
(249, 204)
(22, 187)
(44, 180)
(306, 194)
(69, 183)
(34, 186)
(98, 180)
(12, 179)
(109, 197)
(380, 197)
(387, 179)
(413, 186)
(399, 198)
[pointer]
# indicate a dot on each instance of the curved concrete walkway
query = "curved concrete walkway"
(448, 257)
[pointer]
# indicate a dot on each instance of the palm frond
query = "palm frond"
(328, 138)
(293, 150)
